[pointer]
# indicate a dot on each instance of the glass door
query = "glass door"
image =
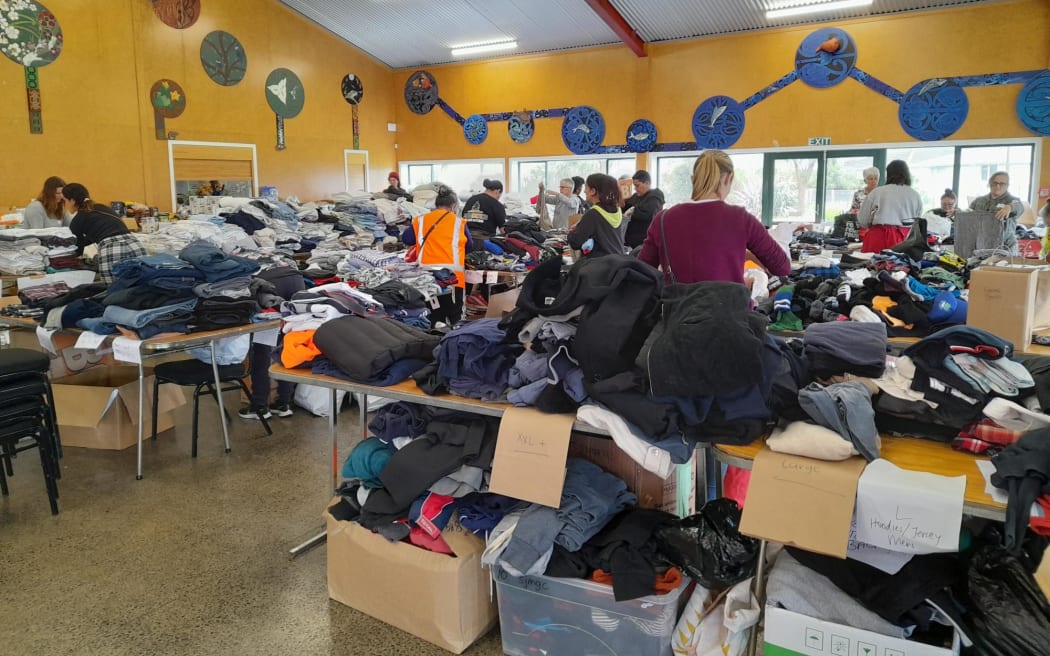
(790, 188)
(845, 175)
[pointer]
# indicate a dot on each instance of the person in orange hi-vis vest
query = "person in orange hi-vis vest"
(443, 241)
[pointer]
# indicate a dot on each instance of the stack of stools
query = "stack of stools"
(27, 416)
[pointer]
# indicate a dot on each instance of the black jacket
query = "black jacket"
(710, 342)
(645, 208)
(607, 239)
(619, 296)
(364, 348)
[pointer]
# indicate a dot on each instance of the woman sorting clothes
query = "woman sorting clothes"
(886, 209)
(484, 212)
(443, 241)
(395, 189)
(707, 239)
(600, 230)
(941, 220)
(95, 224)
(48, 210)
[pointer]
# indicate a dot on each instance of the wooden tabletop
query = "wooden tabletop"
(408, 391)
(907, 453)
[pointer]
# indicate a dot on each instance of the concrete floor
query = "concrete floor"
(193, 559)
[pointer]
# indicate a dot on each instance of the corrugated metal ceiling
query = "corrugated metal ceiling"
(412, 33)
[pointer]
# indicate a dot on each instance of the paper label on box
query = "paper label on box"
(43, 335)
(909, 511)
(89, 340)
(531, 450)
(492, 277)
(127, 350)
(474, 277)
(268, 337)
(825, 489)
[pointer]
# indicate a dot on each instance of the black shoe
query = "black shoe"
(249, 412)
(281, 409)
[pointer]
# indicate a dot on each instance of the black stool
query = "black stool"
(200, 376)
(27, 417)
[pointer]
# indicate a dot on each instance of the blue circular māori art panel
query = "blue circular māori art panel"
(718, 122)
(476, 129)
(933, 109)
(641, 136)
(820, 68)
(583, 130)
(1033, 104)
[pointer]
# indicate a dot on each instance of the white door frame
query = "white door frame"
(346, 169)
(171, 163)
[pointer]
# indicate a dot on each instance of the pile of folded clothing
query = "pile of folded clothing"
(401, 302)
(215, 264)
(22, 256)
(373, 351)
(475, 360)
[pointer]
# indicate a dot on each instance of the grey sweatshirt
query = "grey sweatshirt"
(890, 205)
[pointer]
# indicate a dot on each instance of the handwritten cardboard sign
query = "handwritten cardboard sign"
(531, 449)
(908, 511)
(802, 502)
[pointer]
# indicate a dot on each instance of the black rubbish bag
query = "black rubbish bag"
(709, 547)
(1008, 610)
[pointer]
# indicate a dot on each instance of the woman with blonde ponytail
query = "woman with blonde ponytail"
(706, 238)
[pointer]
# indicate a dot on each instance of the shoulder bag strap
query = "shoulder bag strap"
(666, 256)
(436, 224)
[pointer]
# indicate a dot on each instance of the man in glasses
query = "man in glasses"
(1007, 208)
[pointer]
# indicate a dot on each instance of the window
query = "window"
(464, 176)
(978, 163)
(932, 169)
(818, 185)
(530, 172)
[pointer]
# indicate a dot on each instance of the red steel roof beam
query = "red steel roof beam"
(619, 25)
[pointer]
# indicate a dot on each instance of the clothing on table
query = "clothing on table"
(216, 265)
(135, 319)
(840, 347)
(37, 294)
(399, 419)
(645, 208)
(846, 409)
(364, 348)
(485, 215)
(298, 349)
(144, 297)
(706, 240)
(116, 249)
(476, 360)
(599, 232)
(161, 270)
(239, 287)
(809, 440)
(218, 313)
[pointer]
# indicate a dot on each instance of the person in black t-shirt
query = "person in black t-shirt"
(484, 212)
(96, 224)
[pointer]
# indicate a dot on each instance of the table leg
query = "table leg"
(323, 536)
(142, 397)
(759, 590)
(316, 540)
(218, 397)
(362, 421)
(720, 479)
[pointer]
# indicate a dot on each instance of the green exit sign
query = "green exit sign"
(820, 141)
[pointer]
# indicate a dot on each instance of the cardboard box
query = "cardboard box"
(652, 491)
(98, 408)
(443, 600)
(793, 634)
(1002, 300)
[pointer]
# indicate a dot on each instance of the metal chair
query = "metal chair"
(199, 375)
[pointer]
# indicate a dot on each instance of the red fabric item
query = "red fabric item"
(734, 485)
(420, 538)
(881, 237)
(971, 445)
(1041, 525)
(325, 281)
(664, 583)
(987, 430)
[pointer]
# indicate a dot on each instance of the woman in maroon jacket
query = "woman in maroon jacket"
(706, 238)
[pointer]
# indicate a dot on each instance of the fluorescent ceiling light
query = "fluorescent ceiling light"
(813, 9)
(477, 48)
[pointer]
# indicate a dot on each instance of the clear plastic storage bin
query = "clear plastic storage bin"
(544, 615)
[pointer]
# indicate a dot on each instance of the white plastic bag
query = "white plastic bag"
(718, 626)
(317, 400)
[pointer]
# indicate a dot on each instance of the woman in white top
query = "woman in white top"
(48, 209)
(885, 210)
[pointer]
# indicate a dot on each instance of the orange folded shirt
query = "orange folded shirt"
(299, 348)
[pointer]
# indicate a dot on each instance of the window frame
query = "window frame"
(514, 164)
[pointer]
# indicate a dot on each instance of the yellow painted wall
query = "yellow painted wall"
(666, 86)
(98, 122)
